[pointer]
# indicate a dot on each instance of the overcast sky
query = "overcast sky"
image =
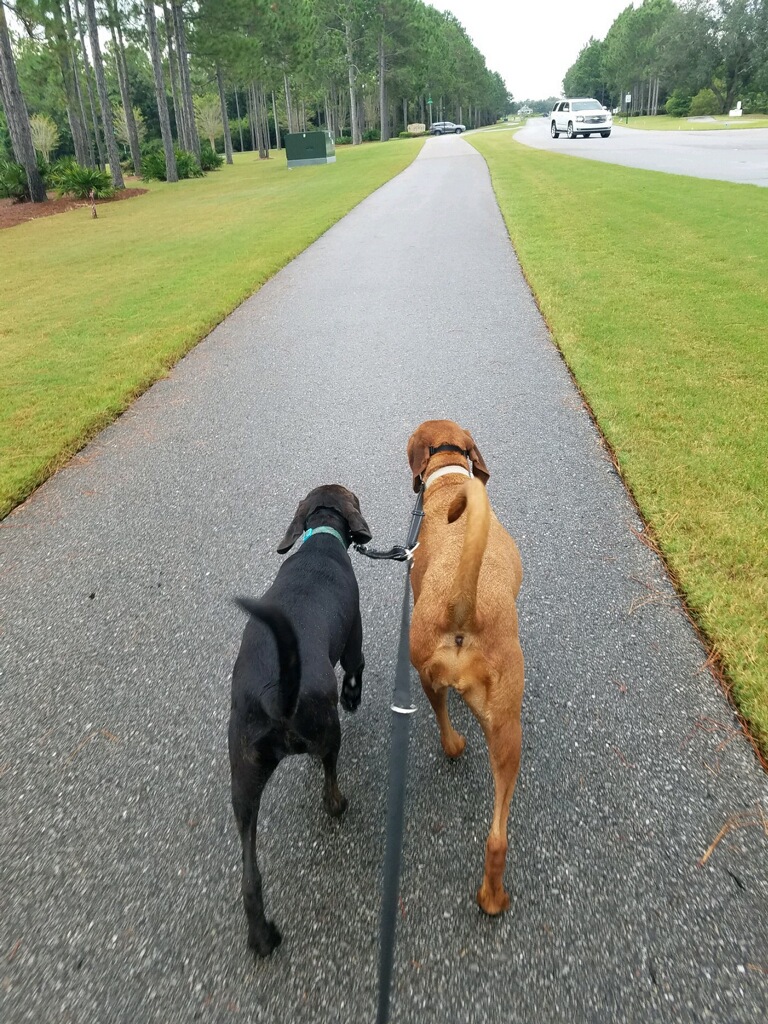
(533, 43)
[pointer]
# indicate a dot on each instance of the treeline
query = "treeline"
(100, 79)
(696, 56)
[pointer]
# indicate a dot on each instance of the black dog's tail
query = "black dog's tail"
(287, 650)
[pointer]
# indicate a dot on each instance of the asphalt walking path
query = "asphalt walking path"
(119, 863)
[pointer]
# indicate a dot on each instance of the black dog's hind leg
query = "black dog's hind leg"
(263, 935)
(335, 803)
(353, 663)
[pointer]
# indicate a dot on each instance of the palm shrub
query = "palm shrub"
(153, 163)
(70, 179)
(210, 160)
(57, 171)
(13, 181)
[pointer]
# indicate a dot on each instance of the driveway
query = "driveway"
(119, 862)
(740, 156)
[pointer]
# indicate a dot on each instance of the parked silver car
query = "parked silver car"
(447, 127)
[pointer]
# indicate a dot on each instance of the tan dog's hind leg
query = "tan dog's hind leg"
(453, 742)
(504, 741)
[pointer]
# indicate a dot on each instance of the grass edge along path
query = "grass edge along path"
(95, 311)
(655, 289)
(665, 123)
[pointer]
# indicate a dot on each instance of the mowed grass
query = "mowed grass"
(93, 311)
(655, 287)
(664, 123)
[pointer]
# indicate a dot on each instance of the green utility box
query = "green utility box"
(306, 148)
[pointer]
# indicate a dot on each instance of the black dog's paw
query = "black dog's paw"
(351, 693)
(265, 939)
(334, 803)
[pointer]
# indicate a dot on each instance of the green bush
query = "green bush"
(58, 170)
(210, 160)
(345, 140)
(372, 135)
(187, 165)
(77, 181)
(678, 104)
(13, 182)
(705, 102)
(153, 163)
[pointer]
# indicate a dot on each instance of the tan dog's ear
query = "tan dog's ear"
(418, 457)
(479, 467)
(296, 528)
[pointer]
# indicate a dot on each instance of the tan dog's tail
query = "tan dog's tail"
(473, 498)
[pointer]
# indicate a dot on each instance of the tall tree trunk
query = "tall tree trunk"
(288, 109)
(122, 81)
(132, 130)
(97, 132)
(17, 116)
(171, 173)
(261, 142)
(57, 36)
(251, 118)
(186, 82)
(405, 114)
(265, 120)
(101, 85)
(351, 73)
(90, 159)
(173, 68)
(278, 140)
(224, 116)
(383, 104)
(239, 122)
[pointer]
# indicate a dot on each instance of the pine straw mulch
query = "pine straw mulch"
(12, 213)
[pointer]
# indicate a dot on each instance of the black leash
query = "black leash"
(402, 710)
(398, 554)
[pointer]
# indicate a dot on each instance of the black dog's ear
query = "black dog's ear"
(295, 530)
(418, 457)
(360, 530)
(479, 467)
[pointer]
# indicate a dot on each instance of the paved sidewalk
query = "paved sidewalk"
(119, 861)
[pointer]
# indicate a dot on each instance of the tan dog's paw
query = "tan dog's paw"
(453, 743)
(492, 903)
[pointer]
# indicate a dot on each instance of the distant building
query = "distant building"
(524, 111)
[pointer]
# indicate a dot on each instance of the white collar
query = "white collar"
(444, 471)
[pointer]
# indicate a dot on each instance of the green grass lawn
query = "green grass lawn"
(94, 311)
(671, 351)
(663, 123)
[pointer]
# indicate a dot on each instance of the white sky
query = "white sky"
(533, 43)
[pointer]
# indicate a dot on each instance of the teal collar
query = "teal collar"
(313, 530)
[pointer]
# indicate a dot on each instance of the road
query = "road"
(740, 156)
(119, 872)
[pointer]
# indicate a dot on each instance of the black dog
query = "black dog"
(284, 691)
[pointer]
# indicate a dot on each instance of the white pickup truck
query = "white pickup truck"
(580, 117)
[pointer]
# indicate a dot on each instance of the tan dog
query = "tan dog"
(466, 576)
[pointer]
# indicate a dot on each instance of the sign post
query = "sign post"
(628, 100)
(429, 104)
